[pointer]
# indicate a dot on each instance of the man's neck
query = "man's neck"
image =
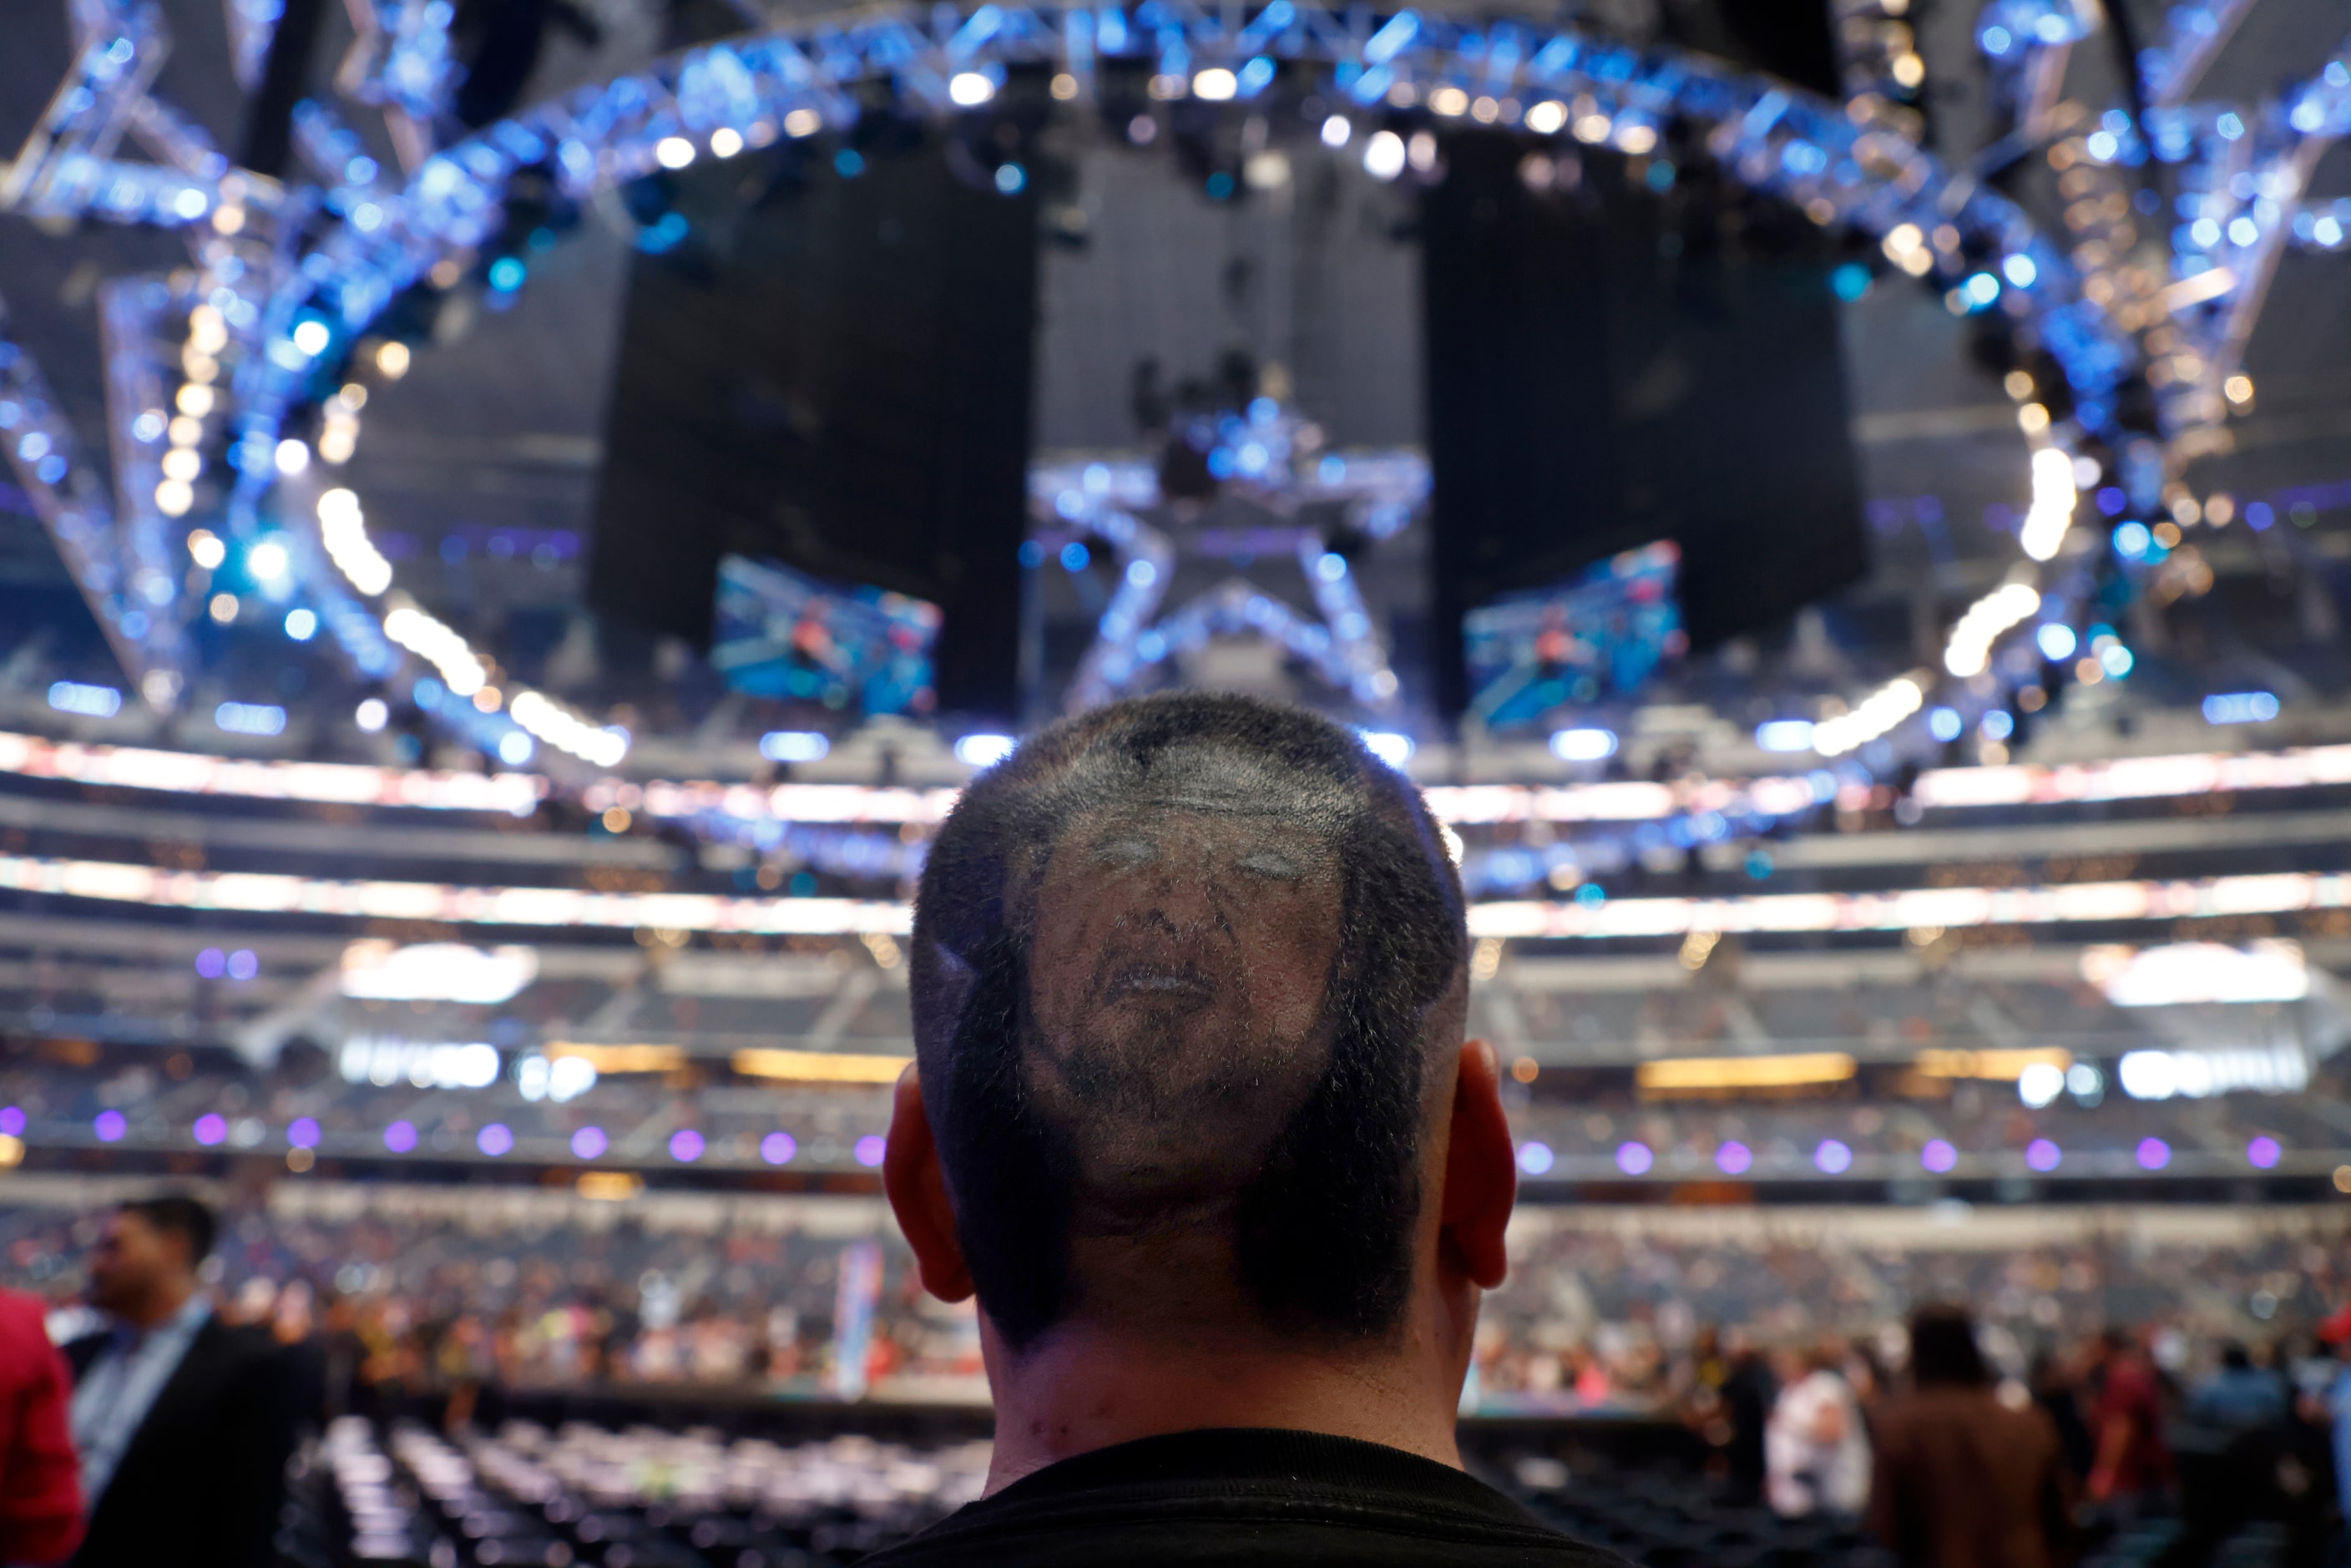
(1079, 1390)
(159, 1307)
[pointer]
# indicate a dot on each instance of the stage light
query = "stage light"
(1547, 118)
(515, 748)
(372, 714)
(778, 1148)
(2239, 707)
(1635, 1158)
(293, 456)
(1535, 1158)
(1583, 745)
(2263, 1153)
(312, 336)
(1833, 1157)
(507, 274)
(206, 549)
(109, 1127)
(2053, 498)
(2044, 1155)
(302, 1133)
(301, 625)
(674, 152)
(250, 718)
(685, 1146)
(90, 701)
(267, 560)
(1945, 723)
(392, 360)
(794, 745)
(2116, 660)
(984, 750)
(1968, 649)
(1938, 1156)
(495, 1140)
(399, 1137)
(2039, 1084)
(2020, 271)
(1734, 1158)
(725, 141)
(2057, 641)
(183, 464)
(869, 1150)
(1870, 718)
(1997, 724)
(1336, 130)
(802, 122)
(1785, 735)
(210, 1129)
(590, 1142)
(1215, 85)
(567, 731)
(1010, 179)
(2154, 1154)
(1383, 155)
(1388, 746)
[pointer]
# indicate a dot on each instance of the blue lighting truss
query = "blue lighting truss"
(276, 264)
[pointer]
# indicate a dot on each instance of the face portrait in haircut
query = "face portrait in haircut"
(1181, 968)
(1185, 950)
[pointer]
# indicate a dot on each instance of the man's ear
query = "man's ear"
(1481, 1169)
(917, 1188)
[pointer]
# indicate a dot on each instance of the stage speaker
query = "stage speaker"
(833, 370)
(1621, 351)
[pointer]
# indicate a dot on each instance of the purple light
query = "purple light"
(1938, 1156)
(495, 1139)
(2263, 1152)
(243, 965)
(399, 1137)
(1834, 1158)
(302, 1133)
(589, 1142)
(869, 1150)
(685, 1146)
(2154, 1154)
(1535, 1158)
(1635, 1159)
(1734, 1158)
(111, 1125)
(2042, 1155)
(778, 1148)
(12, 1121)
(212, 1128)
(212, 962)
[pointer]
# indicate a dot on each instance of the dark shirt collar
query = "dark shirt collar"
(1250, 1458)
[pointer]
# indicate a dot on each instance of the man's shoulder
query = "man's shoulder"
(1245, 1497)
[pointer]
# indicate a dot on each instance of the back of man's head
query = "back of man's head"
(1188, 979)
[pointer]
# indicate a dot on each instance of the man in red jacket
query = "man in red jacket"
(40, 1483)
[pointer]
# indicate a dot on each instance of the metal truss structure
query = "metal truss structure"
(289, 275)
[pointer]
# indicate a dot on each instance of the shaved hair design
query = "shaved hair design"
(1184, 973)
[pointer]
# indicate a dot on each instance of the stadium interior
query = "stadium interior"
(513, 537)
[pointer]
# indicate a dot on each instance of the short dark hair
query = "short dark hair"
(1321, 1224)
(177, 1214)
(1943, 1350)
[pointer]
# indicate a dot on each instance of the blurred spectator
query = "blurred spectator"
(1816, 1452)
(1747, 1396)
(2132, 1467)
(40, 1495)
(184, 1424)
(2240, 1396)
(1963, 1478)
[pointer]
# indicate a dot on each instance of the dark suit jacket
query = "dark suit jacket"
(202, 1481)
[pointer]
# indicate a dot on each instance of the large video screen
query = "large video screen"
(783, 635)
(1599, 635)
